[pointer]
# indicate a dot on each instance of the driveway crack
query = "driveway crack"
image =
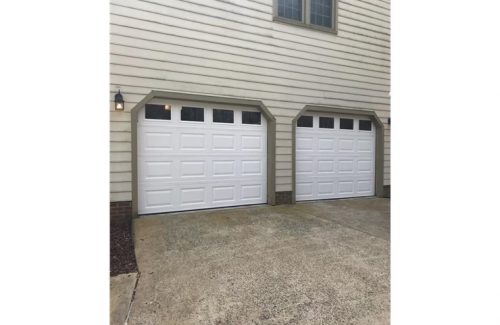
(132, 298)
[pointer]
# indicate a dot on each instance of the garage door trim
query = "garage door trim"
(157, 94)
(379, 141)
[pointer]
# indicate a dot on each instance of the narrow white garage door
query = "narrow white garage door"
(195, 156)
(335, 156)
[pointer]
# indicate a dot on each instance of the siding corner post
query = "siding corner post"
(271, 156)
(379, 156)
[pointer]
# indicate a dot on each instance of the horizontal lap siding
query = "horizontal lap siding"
(121, 154)
(234, 49)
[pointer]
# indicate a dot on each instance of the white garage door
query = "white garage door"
(335, 156)
(196, 156)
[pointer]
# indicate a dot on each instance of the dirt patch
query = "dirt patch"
(122, 248)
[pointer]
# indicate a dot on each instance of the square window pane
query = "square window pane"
(192, 114)
(325, 122)
(250, 118)
(321, 12)
(365, 125)
(291, 9)
(346, 123)
(223, 116)
(157, 112)
(305, 122)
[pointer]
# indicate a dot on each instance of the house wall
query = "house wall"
(233, 48)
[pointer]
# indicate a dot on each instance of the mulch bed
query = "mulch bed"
(122, 248)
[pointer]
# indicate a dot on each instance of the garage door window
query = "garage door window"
(223, 116)
(250, 118)
(305, 122)
(365, 125)
(325, 122)
(157, 112)
(192, 114)
(346, 123)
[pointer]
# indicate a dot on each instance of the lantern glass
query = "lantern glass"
(119, 102)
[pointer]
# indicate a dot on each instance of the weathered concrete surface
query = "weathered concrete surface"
(311, 263)
(122, 289)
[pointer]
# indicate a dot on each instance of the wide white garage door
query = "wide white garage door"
(335, 156)
(196, 156)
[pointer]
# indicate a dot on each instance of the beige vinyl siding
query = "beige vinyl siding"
(121, 177)
(283, 158)
(120, 146)
(233, 48)
(181, 19)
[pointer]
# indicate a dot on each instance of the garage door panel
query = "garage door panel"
(364, 186)
(223, 168)
(251, 142)
(223, 142)
(194, 195)
(189, 197)
(158, 198)
(251, 167)
(192, 169)
(326, 166)
(304, 143)
(365, 166)
(224, 194)
(334, 163)
(326, 144)
(158, 141)
(251, 192)
(157, 169)
(192, 141)
(346, 166)
(305, 189)
(366, 145)
(346, 145)
(196, 165)
(326, 188)
(304, 166)
(346, 187)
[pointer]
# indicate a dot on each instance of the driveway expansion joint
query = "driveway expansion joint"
(132, 298)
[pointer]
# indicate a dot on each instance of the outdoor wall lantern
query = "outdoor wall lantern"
(119, 102)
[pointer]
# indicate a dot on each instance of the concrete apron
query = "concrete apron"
(324, 262)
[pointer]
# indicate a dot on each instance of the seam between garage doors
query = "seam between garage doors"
(379, 144)
(271, 134)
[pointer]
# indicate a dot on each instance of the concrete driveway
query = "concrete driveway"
(322, 262)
